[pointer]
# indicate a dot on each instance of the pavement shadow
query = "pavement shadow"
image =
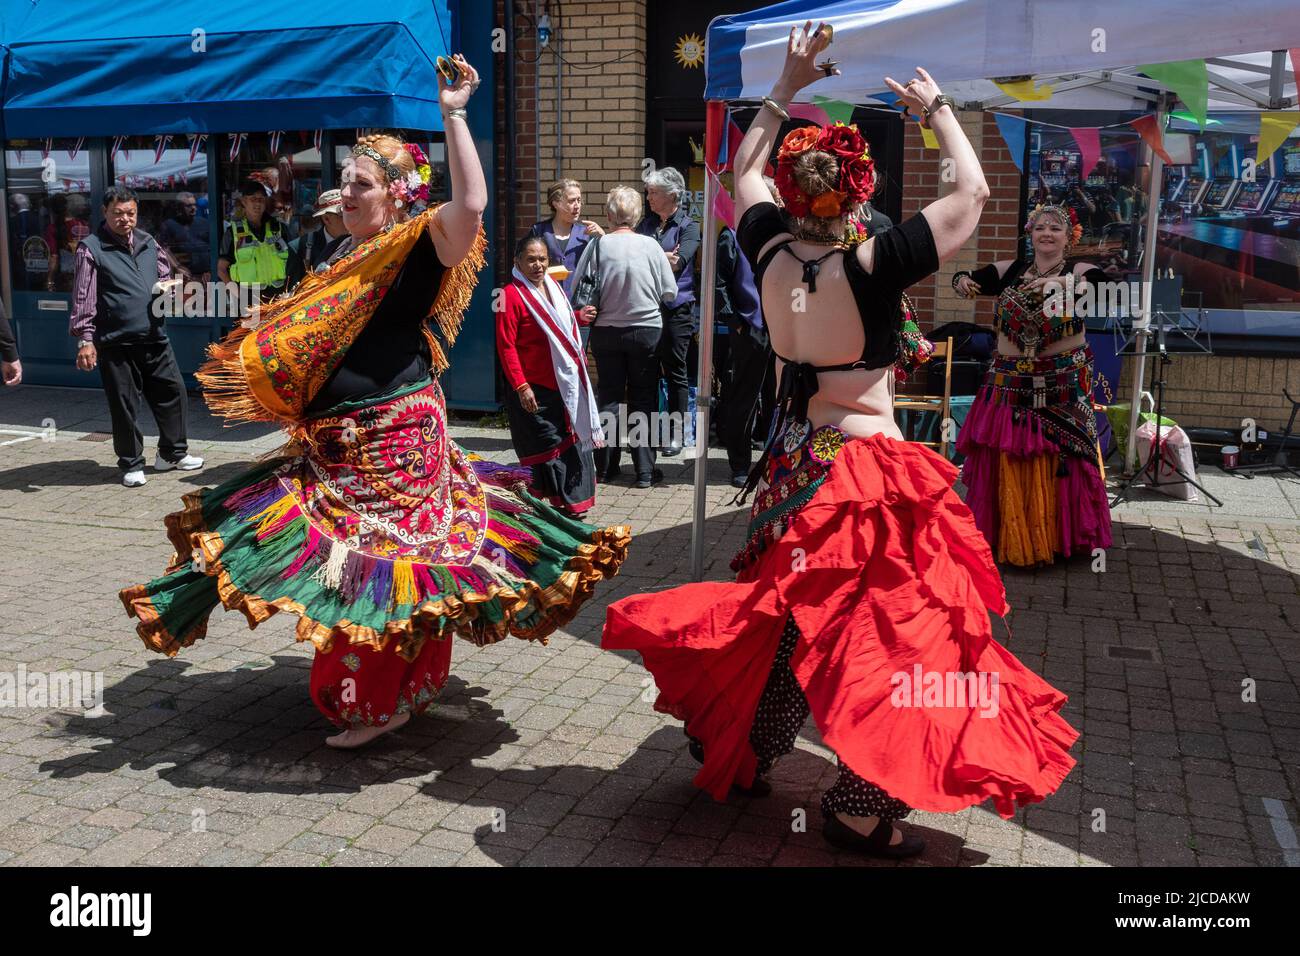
(649, 800)
(1153, 653)
(61, 473)
(257, 731)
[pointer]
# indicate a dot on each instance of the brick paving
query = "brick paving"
(554, 755)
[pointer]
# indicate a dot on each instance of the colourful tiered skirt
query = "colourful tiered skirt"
(865, 545)
(384, 538)
(1033, 470)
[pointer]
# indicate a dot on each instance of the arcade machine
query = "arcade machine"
(1284, 213)
(1219, 196)
(1247, 206)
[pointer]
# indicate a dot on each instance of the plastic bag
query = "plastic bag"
(1177, 449)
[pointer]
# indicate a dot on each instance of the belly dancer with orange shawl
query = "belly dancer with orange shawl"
(372, 526)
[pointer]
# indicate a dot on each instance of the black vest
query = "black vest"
(124, 293)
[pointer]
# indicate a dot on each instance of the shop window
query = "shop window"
(48, 182)
(170, 177)
(1107, 202)
(1230, 226)
(289, 166)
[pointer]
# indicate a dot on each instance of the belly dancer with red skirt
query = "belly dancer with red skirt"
(864, 591)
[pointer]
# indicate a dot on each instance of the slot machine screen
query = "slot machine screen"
(1292, 161)
(1250, 196)
(1288, 199)
(1194, 185)
(1218, 192)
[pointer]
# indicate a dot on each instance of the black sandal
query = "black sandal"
(875, 844)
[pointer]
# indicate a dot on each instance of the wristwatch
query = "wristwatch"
(940, 101)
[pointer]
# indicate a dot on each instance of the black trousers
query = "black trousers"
(782, 710)
(626, 371)
(748, 379)
(674, 351)
(147, 369)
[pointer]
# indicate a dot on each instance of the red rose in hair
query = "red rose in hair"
(797, 141)
(858, 179)
(842, 142)
(794, 198)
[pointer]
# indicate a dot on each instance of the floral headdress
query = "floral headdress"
(1069, 219)
(405, 188)
(856, 181)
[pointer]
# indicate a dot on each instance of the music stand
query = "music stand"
(1164, 319)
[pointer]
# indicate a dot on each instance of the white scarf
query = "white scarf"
(560, 326)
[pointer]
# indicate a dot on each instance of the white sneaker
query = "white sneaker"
(134, 479)
(188, 463)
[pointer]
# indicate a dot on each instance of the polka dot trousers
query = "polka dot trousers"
(782, 710)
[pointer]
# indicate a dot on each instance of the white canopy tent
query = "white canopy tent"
(1089, 53)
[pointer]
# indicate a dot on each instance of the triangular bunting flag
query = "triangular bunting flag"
(1274, 128)
(1027, 90)
(837, 111)
(1012, 129)
(809, 112)
(76, 147)
(1188, 79)
(1089, 140)
(1150, 132)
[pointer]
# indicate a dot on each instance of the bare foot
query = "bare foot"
(866, 825)
(360, 736)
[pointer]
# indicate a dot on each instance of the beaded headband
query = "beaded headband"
(391, 172)
(1069, 219)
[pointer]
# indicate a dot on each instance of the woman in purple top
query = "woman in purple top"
(565, 234)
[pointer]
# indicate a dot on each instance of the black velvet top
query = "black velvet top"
(391, 350)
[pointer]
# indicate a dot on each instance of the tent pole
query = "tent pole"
(714, 115)
(1142, 327)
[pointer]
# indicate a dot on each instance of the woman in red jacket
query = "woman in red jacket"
(554, 423)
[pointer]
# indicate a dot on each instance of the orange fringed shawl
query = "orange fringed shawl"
(271, 372)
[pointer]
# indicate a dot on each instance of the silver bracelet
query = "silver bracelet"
(775, 107)
(460, 111)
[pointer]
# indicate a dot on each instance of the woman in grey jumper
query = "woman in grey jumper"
(635, 281)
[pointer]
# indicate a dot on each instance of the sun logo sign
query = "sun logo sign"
(690, 51)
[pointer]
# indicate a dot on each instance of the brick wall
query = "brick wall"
(592, 118)
(995, 237)
(1215, 391)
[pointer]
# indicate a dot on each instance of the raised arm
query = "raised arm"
(953, 217)
(799, 71)
(462, 217)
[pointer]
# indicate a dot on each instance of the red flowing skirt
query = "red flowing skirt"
(890, 583)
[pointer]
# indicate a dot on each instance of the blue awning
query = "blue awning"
(130, 67)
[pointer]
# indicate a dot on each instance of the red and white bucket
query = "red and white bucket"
(1230, 453)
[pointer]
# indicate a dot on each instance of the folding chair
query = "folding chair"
(912, 398)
